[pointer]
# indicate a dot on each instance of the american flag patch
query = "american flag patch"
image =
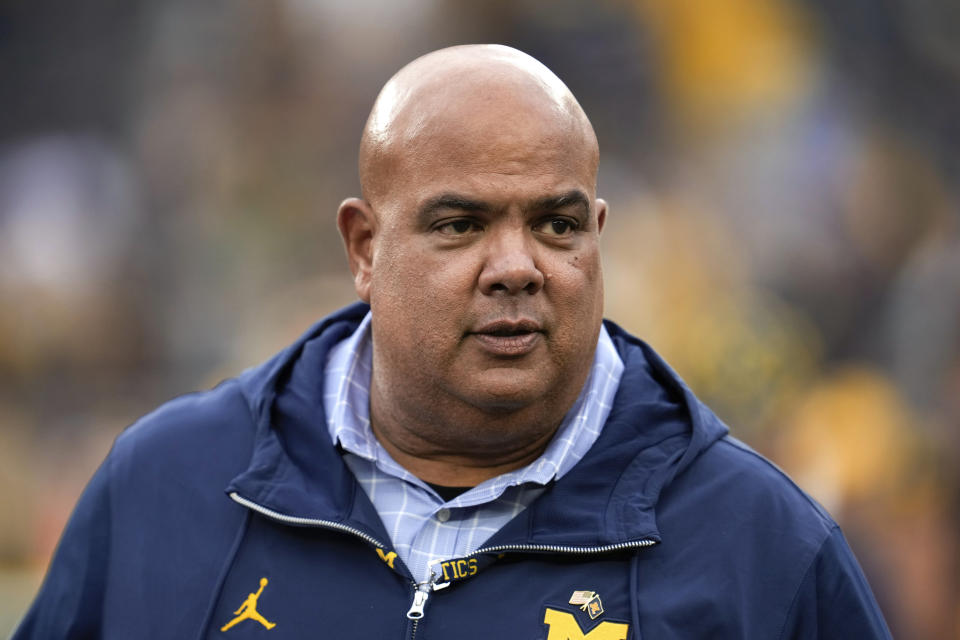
(582, 597)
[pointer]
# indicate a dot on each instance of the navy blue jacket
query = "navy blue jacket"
(228, 514)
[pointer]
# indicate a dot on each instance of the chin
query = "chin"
(506, 396)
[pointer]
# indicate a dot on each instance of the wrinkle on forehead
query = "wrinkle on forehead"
(467, 90)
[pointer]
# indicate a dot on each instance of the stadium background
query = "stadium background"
(783, 177)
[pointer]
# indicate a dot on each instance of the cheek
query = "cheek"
(577, 280)
(576, 292)
(420, 288)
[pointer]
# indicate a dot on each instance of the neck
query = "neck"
(462, 448)
(449, 468)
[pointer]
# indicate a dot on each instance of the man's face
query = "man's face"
(485, 282)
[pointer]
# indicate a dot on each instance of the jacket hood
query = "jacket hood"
(655, 430)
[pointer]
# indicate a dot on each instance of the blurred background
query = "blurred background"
(783, 177)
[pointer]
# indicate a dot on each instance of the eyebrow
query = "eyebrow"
(458, 202)
(574, 197)
(449, 201)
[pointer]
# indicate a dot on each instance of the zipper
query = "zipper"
(563, 549)
(422, 590)
(312, 522)
(421, 593)
(420, 596)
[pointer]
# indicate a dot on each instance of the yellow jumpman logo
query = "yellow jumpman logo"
(248, 610)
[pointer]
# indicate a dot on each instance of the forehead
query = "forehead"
(499, 142)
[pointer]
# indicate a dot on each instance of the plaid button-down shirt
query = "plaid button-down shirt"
(424, 529)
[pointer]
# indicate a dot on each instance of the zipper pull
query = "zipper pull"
(419, 601)
(422, 593)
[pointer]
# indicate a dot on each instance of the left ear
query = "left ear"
(601, 206)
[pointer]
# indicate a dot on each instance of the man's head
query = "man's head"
(476, 245)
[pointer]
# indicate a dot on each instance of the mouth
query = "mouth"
(508, 338)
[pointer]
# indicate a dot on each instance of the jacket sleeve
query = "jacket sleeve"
(834, 599)
(70, 601)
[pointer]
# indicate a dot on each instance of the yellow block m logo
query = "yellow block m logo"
(387, 557)
(563, 626)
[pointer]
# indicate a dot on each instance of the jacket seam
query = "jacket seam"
(635, 594)
(803, 579)
(617, 505)
(224, 572)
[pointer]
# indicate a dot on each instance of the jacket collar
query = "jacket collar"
(655, 430)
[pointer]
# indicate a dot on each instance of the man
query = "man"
(474, 455)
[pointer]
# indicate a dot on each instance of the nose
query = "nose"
(510, 266)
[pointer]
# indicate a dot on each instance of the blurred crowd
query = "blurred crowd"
(784, 181)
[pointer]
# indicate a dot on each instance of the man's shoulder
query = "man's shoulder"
(756, 474)
(192, 431)
(719, 476)
(740, 491)
(192, 415)
(221, 421)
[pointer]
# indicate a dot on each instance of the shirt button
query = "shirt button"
(443, 515)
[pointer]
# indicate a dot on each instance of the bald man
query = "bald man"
(471, 451)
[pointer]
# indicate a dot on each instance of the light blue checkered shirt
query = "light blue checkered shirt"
(424, 529)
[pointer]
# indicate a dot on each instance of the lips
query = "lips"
(508, 338)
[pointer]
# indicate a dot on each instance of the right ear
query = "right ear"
(357, 225)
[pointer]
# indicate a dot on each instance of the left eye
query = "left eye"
(557, 226)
